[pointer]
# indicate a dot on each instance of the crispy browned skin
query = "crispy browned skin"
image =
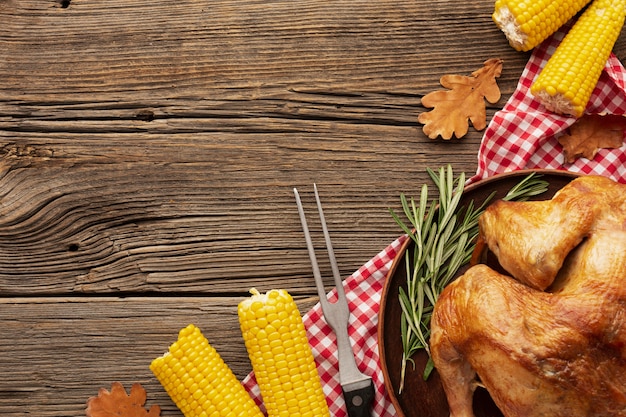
(560, 352)
(531, 239)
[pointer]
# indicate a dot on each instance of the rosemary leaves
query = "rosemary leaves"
(444, 236)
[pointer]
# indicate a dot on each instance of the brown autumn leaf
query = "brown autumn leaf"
(117, 403)
(464, 100)
(591, 133)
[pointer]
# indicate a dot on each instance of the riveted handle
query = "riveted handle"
(359, 401)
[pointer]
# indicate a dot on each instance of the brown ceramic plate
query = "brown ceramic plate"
(427, 399)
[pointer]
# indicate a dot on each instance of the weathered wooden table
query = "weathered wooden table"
(148, 155)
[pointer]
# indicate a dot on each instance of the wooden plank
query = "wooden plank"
(193, 48)
(79, 219)
(58, 352)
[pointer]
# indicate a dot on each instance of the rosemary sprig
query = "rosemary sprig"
(445, 236)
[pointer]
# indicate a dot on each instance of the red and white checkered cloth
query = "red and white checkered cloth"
(521, 135)
(363, 290)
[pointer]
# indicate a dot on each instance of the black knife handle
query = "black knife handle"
(359, 401)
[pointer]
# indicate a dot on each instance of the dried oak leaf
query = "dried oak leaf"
(117, 403)
(465, 100)
(591, 133)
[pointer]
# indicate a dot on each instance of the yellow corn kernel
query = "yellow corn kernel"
(527, 23)
(199, 382)
(566, 82)
(281, 356)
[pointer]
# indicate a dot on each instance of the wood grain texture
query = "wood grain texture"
(148, 151)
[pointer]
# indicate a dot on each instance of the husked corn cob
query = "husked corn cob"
(566, 82)
(199, 382)
(281, 356)
(526, 23)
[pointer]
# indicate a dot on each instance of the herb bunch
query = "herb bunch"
(444, 236)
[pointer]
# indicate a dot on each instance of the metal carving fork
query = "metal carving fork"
(358, 389)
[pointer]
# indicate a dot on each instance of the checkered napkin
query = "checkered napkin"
(523, 134)
(363, 290)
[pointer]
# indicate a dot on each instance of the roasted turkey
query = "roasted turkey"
(548, 337)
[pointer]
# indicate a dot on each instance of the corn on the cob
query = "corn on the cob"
(567, 81)
(526, 23)
(199, 382)
(281, 356)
